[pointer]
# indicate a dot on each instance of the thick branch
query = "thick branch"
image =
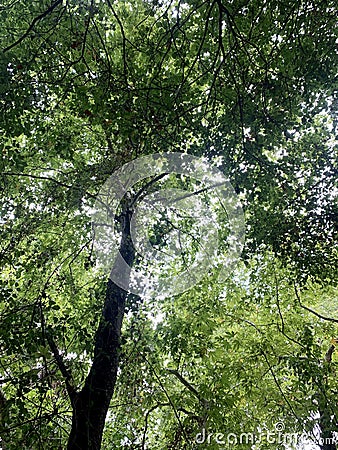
(187, 385)
(62, 367)
(329, 353)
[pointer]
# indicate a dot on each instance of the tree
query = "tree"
(89, 86)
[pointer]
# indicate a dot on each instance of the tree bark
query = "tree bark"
(90, 405)
(325, 423)
(3, 419)
(327, 441)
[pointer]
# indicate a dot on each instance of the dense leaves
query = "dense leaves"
(87, 86)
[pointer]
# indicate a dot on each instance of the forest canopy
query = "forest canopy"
(247, 87)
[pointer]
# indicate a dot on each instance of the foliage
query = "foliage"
(87, 86)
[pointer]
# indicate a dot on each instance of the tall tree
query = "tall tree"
(88, 86)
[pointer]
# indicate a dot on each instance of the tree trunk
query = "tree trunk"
(326, 434)
(4, 417)
(91, 404)
(327, 441)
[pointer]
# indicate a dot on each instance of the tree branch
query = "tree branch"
(187, 385)
(32, 25)
(329, 319)
(329, 353)
(61, 365)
